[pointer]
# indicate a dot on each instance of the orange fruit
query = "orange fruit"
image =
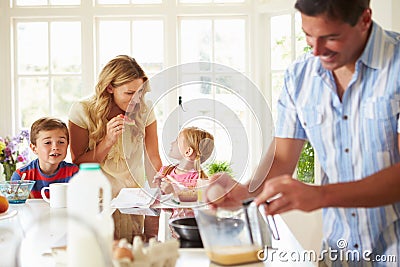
(3, 204)
(123, 252)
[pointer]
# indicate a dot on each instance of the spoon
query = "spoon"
(22, 179)
(172, 180)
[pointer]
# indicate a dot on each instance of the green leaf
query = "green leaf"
(219, 166)
(305, 166)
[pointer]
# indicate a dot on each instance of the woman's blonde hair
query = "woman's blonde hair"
(119, 71)
(202, 143)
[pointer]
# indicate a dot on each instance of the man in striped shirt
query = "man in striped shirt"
(344, 98)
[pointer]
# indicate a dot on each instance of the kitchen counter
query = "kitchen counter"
(42, 228)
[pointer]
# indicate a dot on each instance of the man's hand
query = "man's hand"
(223, 191)
(285, 193)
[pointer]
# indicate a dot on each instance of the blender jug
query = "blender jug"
(233, 237)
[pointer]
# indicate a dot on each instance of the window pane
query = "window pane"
(147, 2)
(194, 1)
(36, 90)
(32, 47)
(66, 90)
(66, 47)
(118, 2)
(111, 42)
(229, 1)
(196, 40)
(280, 42)
(65, 2)
(229, 44)
(210, 1)
(277, 83)
(31, 2)
(148, 49)
(301, 44)
(112, 2)
(45, 2)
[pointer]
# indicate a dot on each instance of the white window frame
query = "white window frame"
(257, 65)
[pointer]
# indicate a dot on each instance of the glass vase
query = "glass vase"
(9, 169)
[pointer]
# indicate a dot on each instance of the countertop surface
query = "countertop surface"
(33, 228)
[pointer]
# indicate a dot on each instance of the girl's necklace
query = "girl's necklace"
(182, 170)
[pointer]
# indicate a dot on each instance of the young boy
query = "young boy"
(49, 141)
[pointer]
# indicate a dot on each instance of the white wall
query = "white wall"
(385, 12)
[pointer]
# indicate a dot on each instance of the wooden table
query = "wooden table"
(41, 227)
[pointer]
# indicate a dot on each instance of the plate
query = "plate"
(8, 214)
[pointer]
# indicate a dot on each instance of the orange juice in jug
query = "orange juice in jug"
(232, 255)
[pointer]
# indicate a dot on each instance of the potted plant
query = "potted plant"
(13, 151)
(219, 166)
(305, 165)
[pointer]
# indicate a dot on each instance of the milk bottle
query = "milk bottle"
(90, 225)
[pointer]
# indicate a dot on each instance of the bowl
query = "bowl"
(186, 194)
(226, 236)
(17, 191)
(186, 228)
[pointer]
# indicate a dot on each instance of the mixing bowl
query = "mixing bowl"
(186, 228)
(226, 236)
(16, 191)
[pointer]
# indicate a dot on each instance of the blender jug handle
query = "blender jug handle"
(270, 220)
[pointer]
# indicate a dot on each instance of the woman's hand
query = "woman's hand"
(114, 129)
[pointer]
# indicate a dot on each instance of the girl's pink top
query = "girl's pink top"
(188, 179)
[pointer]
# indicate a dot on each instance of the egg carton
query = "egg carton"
(156, 254)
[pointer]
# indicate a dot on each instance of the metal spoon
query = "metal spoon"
(22, 179)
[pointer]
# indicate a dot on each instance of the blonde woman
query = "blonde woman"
(99, 132)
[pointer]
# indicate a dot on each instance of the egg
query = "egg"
(122, 252)
(215, 193)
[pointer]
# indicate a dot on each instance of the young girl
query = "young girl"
(192, 147)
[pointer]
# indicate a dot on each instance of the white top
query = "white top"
(128, 147)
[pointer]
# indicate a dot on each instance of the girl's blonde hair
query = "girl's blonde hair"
(119, 71)
(202, 143)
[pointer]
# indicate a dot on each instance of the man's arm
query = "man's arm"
(284, 154)
(379, 189)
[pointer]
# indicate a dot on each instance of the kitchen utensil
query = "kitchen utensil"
(186, 228)
(232, 237)
(22, 178)
(256, 221)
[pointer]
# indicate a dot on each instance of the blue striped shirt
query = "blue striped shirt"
(352, 138)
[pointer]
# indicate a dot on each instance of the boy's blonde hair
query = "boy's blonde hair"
(47, 124)
(202, 143)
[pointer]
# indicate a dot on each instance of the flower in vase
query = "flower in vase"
(13, 151)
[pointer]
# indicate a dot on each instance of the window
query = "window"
(132, 38)
(210, 40)
(288, 43)
(58, 47)
(48, 68)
